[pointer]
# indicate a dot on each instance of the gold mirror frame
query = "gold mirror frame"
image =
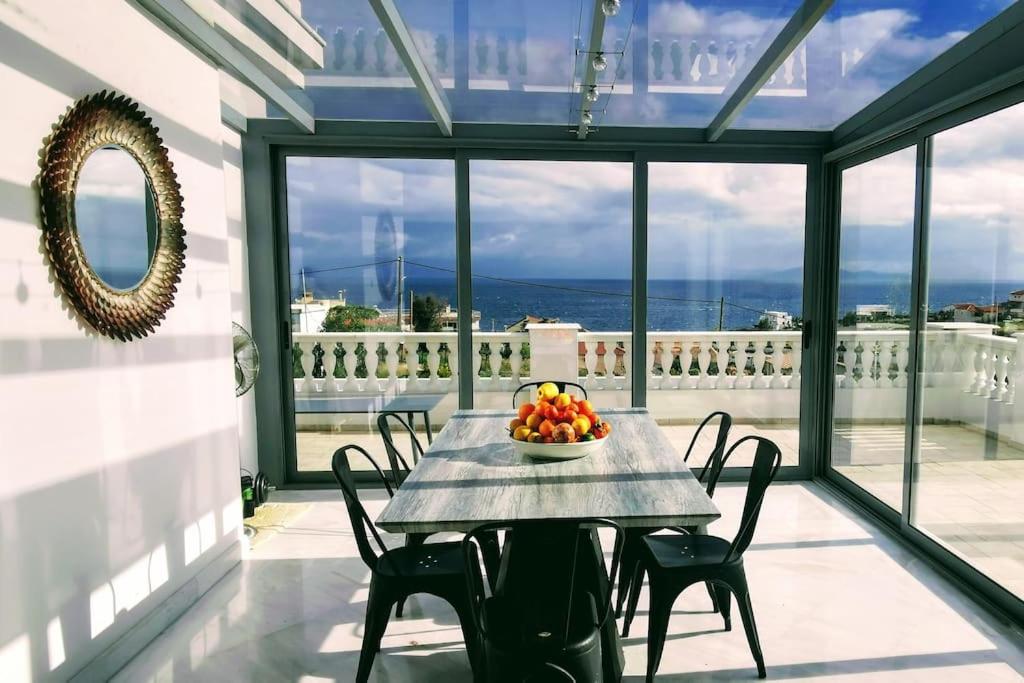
(91, 123)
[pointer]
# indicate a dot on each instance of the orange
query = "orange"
(515, 424)
(581, 425)
(546, 427)
(533, 420)
(586, 408)
(571, 415)
(525, 410)
(521, 433)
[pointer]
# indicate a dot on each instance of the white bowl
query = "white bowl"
(559, 451)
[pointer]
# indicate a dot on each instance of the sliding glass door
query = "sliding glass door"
(968, 489)
(929, 324)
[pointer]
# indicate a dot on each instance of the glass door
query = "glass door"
(872, 350)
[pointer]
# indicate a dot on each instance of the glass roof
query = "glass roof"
(859, 50)
(670, 62)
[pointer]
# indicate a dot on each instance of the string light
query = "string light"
(599, 62)
(591, 94)
(611, 7)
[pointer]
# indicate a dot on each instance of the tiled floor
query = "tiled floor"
(836, 600)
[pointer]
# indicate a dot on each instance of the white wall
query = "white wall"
(238, 257)
(120, 461)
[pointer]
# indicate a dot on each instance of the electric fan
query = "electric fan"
(247, 359)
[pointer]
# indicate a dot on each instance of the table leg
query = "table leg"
(426, 423)
(536, 569)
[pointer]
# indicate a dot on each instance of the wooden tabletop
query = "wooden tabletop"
(472, 475)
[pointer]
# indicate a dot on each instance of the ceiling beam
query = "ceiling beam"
(795, 30)
(590, 76)
(181, 17)
(429, 87)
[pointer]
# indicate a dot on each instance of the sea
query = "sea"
(605, 304)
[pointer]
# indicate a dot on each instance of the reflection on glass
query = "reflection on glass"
(363, 77)
(552, 245)
(872, 340)
(373, 312)
(725, 299)
(859, 50)
(115, 218)
(970, 467)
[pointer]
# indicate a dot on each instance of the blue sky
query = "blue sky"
(860, 49)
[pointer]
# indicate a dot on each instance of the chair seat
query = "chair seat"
(512, 626)
(428, 559)
(683, 550)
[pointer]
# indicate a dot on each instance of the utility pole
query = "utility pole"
(305, 306)
(721, 313)
(412, 311)
(399, 293)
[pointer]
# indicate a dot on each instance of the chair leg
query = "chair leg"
(747, 614)
(723, 599)
(657, 625)
(474, 648)
(378, 611)
(411, 541)
(636, 584)
(628, 562)
(490, 549)
(714, 598)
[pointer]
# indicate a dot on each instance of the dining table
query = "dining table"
(472, 474)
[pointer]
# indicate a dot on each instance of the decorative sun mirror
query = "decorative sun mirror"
(111, 209)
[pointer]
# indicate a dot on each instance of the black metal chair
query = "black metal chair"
(708, 476)
(540, 633)
(674, 562)
(400, 470)
(562, 386)
(434, 568)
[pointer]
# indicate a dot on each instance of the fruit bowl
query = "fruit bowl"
(557, 426)
(558, 451)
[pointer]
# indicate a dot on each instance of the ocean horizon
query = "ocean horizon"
(604, 304)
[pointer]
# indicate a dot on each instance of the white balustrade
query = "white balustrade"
(964, 360)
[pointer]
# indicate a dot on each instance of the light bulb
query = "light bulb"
(611, 7)
(587, 118)
(599, 62)
(591, 94)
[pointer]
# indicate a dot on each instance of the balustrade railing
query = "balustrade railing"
(970, 361)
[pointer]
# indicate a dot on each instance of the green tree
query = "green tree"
(426, 313)
(348, 319)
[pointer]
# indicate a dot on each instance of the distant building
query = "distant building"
(973, 313)
(875, 310)
(520, 325)
(450, 319)
(308, 313)
(776, 320)
(1017, 297)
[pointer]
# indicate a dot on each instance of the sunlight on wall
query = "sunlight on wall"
(55, 643)
(15, 659)
(101, 609)
(231, 517)
(200, 537)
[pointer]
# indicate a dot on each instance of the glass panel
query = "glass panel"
(552, 245)
(372, 259)
(688, 55)
(970, 467)
(872, 340)
(724, 317)
(363, 77)
(858, 51)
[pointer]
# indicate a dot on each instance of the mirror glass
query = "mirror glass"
(115, 217)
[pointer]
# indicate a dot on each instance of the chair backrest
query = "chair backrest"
(713, 467)
(561, 388)
(399, 465)
(570, 529)
(767, 460)
(360, 521)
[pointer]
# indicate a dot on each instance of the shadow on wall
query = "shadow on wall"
(115, 523)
